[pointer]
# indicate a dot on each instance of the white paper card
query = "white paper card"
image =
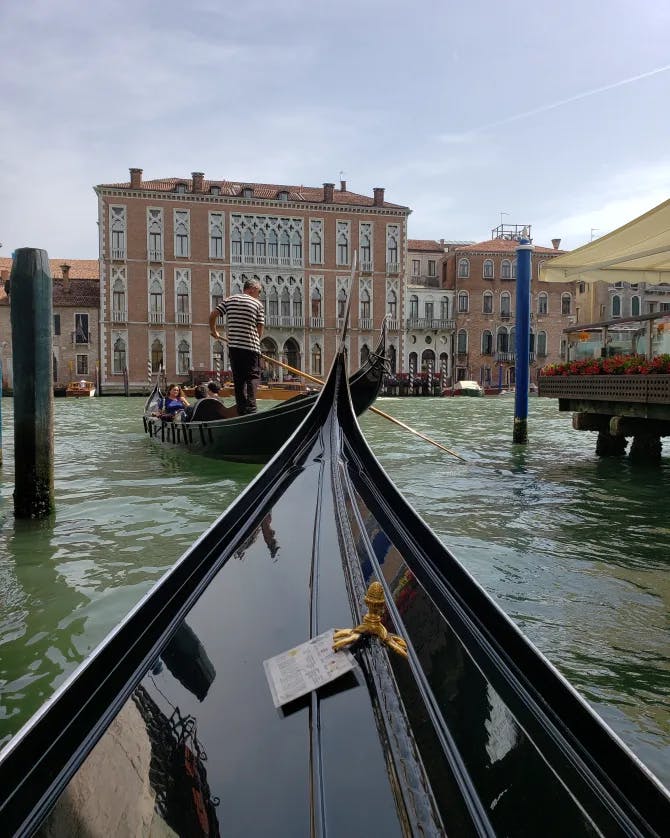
(305, 668)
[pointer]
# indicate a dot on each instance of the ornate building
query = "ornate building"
(170, 249)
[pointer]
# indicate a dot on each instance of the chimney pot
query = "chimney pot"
(343, 186)
(328, 193)
(379, 196)
(556, 243)
(198, 180)
(136, 178)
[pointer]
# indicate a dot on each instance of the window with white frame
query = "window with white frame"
(342, 242)
(297, 305)
(431, 268)
(365, 305)
(462, 342)
(182, 228)
(155, 234)
(463, 268)
(182, 281)
(157, 356)
(616, 306)
(316, 359)
(416, 267)
(156, 291)
(117, 231)
(543, 303)
(487, 303)
(365, 245)
(566, 304)
(119, 358)
(392, 247)
(634, 306)
(502, 340)
(505, 304)
(414, 307)
(542, 344)
(316, 241)
(429, 311)
(81, 333)
(183, 357)
(216, 288)
(463, 302)
(392, 304)
(487, 342)
(488, 269)
(341, 303)
(444, 308)
(505, 269)
(216, 235)
(82, 364)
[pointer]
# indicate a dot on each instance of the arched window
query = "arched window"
(514, 269)
(342, 249)
(248, 243)
(427, 361)
(414, 307)
(463, 302)
(156, 355)
(505, 269)
(541, 344)
(488, 269)
(487, 342)
(297, 303)
(182, 303)
(273, 302)
(543, 303)
(505, 304)
(285, 303)
(365, 353)
(566, 304)
(366, 252)
(502, 340)
(316, 304)
(341, 303)
(273, 248)
(463, 268)
(259, 247)
(316, 359)
(216, 295)
(119, 301)
(616, 306)
(291, 352)
(296, 247)
(183, 357)
(634, 306)
(444, 308)
(284, 248)
(269, 348)
(487, 303)
(236, 243)
(392, 250)
(315, 250)
(462, 342)
(412, 361)
(392, 304)
(364, 304)
(119, 360)
(156, 302)
(392, 357)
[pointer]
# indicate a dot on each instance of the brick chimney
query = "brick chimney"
(198, 180)
(379, 196)
(328, 190)
(66, 277)
(136, 178)
(556, 243)
(343, 186)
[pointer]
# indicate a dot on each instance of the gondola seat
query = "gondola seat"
(208, 410)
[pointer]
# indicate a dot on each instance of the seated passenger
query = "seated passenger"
(174, 402)
(200, 392)
(213, 390)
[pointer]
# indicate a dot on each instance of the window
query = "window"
(487, 342)
(341, 303)
(216, 235)
(181, 188)
(81, 334)
(183, 304)
(582, 287)
(296, 247)
(56, 324)
(365, 354)
(416, 267)
(183, 357)
(634, 306)
(82, 364)
(119, 359)
(236, 244)
(541, 344)
(505, 269)
(316, 359)
(118, 301)
(283, 196)
(155, 234)
(316, 241)
(505, 304)
(156, 355)
(566, 304)
(155, 296)
(616, 306)
(392, 238)
(463, 268)
(392, 304)
(117, 226)
(414, 307)
(342, 242)
(273, 302)
(487, 303)
(181, 233)
(462, 342)
(215, 190)
(316, 304)
(297, 304)
(488, 269)
(463, 302)
(365, 305)
(429, 308)
(285, 247)
(502, 340)
(543, 303)
(247, 192)
(365, 245)
(285, 303)
(273, 248)
(431, 267)
(444, 308)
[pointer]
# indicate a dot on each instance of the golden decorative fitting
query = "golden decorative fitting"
(372, 624)
(583, 336)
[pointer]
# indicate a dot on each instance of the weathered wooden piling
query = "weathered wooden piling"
(32, 320)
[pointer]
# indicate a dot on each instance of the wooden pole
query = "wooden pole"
(32, 318)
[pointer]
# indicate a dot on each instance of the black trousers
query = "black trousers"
(246, 368)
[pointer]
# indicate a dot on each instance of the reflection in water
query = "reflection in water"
(187, 660)
(269, 537)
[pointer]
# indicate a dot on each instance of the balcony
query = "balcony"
(183, 318)
(366, 267)
(156, 317)
(282, 321)
(119, 315)
(510, 357)
(425, 281)
(430, 323)
(505, 315)
(155, 255)
(279, 261)
(393, 324)
(119, 254)
(392, 267)
(365, 323)
(316, 322)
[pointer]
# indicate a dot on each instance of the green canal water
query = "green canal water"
(573, 548)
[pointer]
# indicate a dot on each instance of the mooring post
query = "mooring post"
(524, 252)
(32, 319)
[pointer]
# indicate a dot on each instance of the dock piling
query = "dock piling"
(524, 253)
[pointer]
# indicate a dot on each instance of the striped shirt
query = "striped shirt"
(243, 314)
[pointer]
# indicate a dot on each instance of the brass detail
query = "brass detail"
(372, 624)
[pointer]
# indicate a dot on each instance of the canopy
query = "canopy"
(637, 252)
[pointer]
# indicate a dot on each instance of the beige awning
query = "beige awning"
(637, 252)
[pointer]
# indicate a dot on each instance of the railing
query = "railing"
(510, 357)
(155, 255)
(340, 322)
(183, 318)
(365, 323)
(316, 322)
(282, 321)
(505, 315)
(425, 281)
(393, 324)
(430, 323)
(366, 267)
(156, 317)
(119, 315)
(392, 267)
(282, 261)
(119, 254)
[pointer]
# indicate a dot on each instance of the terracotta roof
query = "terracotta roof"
(81, 293)
(424, 244)
(502, 246)
(268, 191)
(79, 268)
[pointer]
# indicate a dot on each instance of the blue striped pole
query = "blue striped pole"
(524, 253)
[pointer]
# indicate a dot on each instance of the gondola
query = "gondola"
(450, 723)
(217, 431)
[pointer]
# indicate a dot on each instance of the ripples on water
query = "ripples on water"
(572, 547)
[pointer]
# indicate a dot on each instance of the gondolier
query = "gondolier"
(245, 318)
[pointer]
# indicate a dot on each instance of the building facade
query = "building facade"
(171, 249)
(76, 301)
(483, 279)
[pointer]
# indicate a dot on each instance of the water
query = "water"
(573, 548)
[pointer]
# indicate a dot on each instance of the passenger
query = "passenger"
(213, 390)
(200, 393)
(245, 317)
(174, 402)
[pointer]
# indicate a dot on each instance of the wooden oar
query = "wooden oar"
(376, 410)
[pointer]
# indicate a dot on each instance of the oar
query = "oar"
(376, 410)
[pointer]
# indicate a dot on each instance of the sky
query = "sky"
(551, 114)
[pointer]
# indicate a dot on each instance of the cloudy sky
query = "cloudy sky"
(554, 113)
